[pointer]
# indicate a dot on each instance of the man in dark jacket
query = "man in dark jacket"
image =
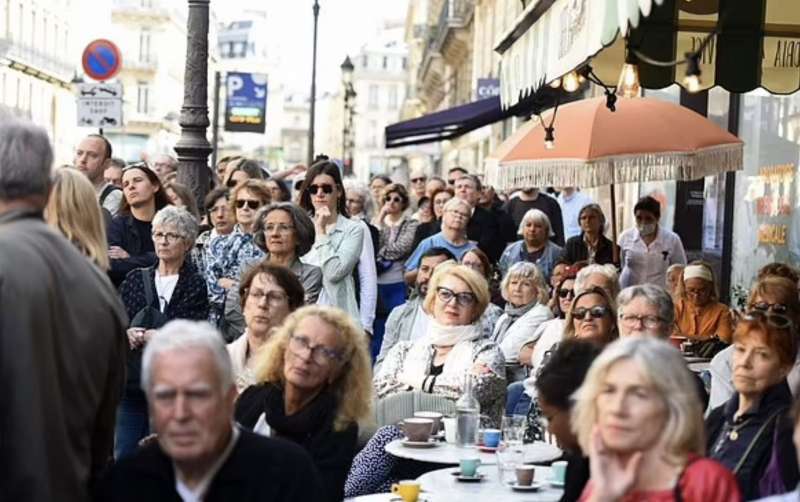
(484, 227)
(62, 338)
(199, 454)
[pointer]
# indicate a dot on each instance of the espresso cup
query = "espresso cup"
(408, 490)
(469, 466)
(491, 437)
(524, 475)
(417, 429)
(559, 471)
(433, 415)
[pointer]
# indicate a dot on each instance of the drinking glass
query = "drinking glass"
(509, 456)
(513, 428)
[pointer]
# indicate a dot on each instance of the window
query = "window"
(144, 45)
(385, 62)
(21, 27)
(143, 98)
(392, 98)
(6, 18)
(373, 96)
(405, 63)
(364, 61)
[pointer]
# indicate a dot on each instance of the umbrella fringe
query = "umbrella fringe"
(680, 166)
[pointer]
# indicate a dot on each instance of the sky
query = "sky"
(344, 26)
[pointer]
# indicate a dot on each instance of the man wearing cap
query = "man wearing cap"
(649, 249)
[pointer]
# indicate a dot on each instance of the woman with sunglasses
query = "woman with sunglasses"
(394, 245)
(699, 315)
(130, 244)
(751, 434)
(436, 363)
(774, 295)
(339, 240)
(228, 254)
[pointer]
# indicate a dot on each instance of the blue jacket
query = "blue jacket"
(514, 254)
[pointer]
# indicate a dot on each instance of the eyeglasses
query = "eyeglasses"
(776, 320)
(281, 228)
(326, 189)
(566, 293)
(274, 298)
(398, 200)
(459, 213)
(168, 236)
(597, 312)
(252, 204)
(319, 354)
(775, 308)
(421, 179)
(464, 299)
(648, 321)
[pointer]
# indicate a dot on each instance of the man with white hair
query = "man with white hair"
(62, 338)
(164, 165)
(199, 453)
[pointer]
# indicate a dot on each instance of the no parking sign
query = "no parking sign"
(101, 59)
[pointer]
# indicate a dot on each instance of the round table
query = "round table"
(442, 483)
(448, 453)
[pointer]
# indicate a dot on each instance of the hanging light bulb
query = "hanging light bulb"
(692, 82)
(555, 84)
(570, 82)
(549, 138)
(628, 85)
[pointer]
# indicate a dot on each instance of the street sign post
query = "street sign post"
(101, 59)
(100, 105)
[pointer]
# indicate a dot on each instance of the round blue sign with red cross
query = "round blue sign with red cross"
(101, 59)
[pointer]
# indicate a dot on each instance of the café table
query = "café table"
(442, 483)
(449, 453)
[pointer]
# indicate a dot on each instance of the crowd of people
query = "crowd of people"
(154, 348)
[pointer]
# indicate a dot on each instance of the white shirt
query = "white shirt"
(165, 286)
(368, 281)
(570, 209)
(549, 333)
(643, 264)
(199, 493)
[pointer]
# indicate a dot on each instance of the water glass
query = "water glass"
(513, 428)
(509, 456)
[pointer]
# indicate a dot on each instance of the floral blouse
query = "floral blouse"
(225, 256)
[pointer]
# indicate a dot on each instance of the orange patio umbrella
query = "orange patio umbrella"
(643, 140)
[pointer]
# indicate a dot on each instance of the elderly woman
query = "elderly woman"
(220, 217)
(436, 363)
(751, 434)
(396, 241)
(773, 295)
(699, 315)
(535, 245)
(171, 289)
(314, 389)
(591, 245)
(227, 254)
(526, 294)
(73, 210)
(339, 240)
(601, 276)
(640, 422)
(479, 262)
(130, 244)
(269, 293)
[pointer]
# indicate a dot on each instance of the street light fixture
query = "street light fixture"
(348, 98)
(313, 88)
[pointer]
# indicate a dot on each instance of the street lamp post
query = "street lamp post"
(193, 147)
(313, 88)
(348, 94)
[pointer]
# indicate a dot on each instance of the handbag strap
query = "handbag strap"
(772, 418)
(148, 286)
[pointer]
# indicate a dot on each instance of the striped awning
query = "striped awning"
(757, 46)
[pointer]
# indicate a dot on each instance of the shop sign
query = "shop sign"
(774, 205)
(488, 87)
(246, 105)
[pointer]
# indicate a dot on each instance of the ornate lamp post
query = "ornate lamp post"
(313, 88)
(193, 147)
(348, 97)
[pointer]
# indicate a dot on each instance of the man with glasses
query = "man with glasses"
(92, 157)
(409, 320)
(417, 181)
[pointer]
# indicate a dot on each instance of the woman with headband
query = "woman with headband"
(698, 313)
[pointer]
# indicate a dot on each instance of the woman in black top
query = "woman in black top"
(591, 245)
(315, 387)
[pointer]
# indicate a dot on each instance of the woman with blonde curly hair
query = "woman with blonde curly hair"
(315, 388)
(638, 416)
(73, 210)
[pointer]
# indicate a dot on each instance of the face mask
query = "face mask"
(646, 229)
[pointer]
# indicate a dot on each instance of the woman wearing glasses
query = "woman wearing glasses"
(699, 315)
(751, 434)
(227, 254)
(437, 364)
(177, 291)
(339, 240)
(394, 245)
(268, 293)
(314, 389)
(774, 295)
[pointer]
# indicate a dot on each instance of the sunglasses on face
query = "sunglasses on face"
(252, 204)
(566, 293)
(398, 200)
(598, 312)
(775, 308)
(326, 189)
(464, 299)
(775, 320)
(418, 180)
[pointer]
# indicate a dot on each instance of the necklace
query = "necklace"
(733, 433)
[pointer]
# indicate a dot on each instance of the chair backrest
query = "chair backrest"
(392, 409)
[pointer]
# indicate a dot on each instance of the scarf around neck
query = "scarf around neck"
(447, 336)
(511, 314)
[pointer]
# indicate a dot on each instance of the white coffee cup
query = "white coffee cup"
(449, 429)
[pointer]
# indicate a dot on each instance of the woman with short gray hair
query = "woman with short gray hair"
(535, 245)
(602, 276)
(170, 289)
(645, 310)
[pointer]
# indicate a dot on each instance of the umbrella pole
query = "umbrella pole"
(615, 249)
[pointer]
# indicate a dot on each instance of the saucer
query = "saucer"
(477, 477)
(556, 482)
(487, 449)
(522, 488)
(430, 443)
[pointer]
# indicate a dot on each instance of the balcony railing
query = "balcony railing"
(141, 7)
(150, 64)
(36, 59)
(454, 14)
